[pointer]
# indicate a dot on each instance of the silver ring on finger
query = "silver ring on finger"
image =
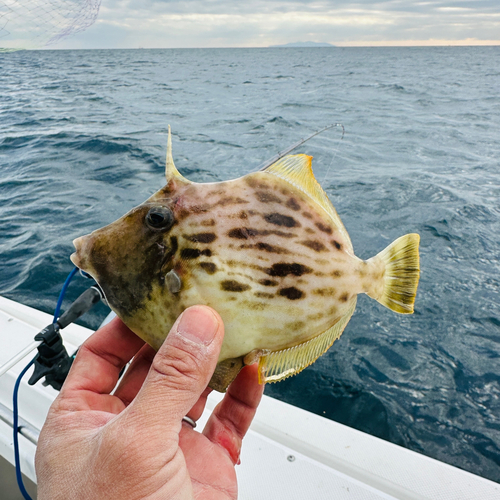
(189, 421)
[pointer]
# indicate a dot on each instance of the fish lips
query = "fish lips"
(79, 258)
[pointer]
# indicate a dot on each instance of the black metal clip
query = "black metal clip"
(53, 361)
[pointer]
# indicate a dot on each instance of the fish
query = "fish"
(268, 251)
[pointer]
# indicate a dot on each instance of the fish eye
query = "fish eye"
(159, 218)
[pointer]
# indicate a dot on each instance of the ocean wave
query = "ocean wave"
(83, 138)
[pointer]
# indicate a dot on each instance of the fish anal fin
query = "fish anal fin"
(279, 365)
(225, 372)
(297, 170)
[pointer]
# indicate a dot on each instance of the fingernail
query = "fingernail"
(198, 324)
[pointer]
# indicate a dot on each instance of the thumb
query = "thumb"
(181, 369)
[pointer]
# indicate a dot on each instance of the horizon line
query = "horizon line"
(360, 44)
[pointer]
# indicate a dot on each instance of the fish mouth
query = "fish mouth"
(76, 260)
(78, 257)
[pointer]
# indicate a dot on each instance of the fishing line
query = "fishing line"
(336, 152)
(276, 157)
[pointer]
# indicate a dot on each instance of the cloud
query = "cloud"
(258, 23)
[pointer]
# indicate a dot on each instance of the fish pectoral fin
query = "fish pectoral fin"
(297, 170)
(279, 365)
(225, 372)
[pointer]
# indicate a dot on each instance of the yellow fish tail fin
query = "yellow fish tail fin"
(402, 271)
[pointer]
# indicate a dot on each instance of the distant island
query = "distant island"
(304, 44)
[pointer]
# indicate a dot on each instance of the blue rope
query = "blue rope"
(16, 391)
(16, 430)
(63, 291)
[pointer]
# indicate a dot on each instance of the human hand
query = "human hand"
(133, 444)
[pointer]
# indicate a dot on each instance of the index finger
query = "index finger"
(101, 357)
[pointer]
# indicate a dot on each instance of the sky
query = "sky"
(251, 23)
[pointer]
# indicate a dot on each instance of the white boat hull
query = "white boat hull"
(288, 453)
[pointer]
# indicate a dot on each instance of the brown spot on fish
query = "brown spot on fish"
(243, 215)
(281, 220)
(254, 183)
(230, 200)
(292, 203)
(295, 326)
(332, 311)
(337, 274)
(256, 306)
(307, 215)
(200, 209)
(323, 227)
(284, 269)
(242, 264)
(309, 230)
(337, 245)
(315, 245)
(208, 267)
(314, 317)
(267, 197)
(194, 253)
(325, 292)
(201, 237)
(271, 248)
(182, 214)
(234, 286)
(242, 233)
(266, 247)
(264, 295)
(208, 222)
(268, 282)
(174, 246)
(216, 192)
(276, 233)
(344, 297)
(291, 293)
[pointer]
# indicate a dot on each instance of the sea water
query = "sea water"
(83, 139)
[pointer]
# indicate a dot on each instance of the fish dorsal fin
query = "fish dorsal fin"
(171, 171)
(279, 365)
(297, 170)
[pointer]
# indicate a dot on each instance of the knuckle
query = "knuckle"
(178, 366)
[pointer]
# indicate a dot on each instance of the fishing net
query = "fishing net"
(39, 23)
